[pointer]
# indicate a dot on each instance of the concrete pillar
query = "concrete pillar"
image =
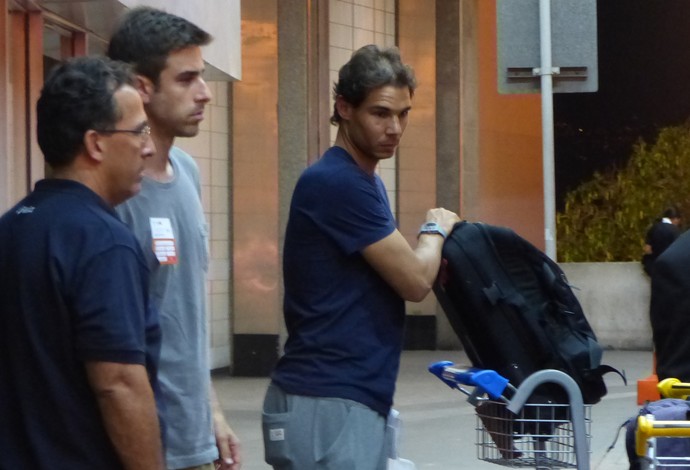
(448, 124)
(469, 111)
(303, 90)
(293, 110)
(448, 129)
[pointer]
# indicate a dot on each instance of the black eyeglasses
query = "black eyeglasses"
(144, 132)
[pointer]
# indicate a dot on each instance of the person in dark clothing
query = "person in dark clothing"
(79, 341)
(347, 273)
(659, 237)
(670, 310)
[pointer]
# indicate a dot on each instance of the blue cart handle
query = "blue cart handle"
(488, 381)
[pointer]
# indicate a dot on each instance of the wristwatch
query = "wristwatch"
(432, 228)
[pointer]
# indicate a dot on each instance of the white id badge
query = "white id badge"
(163, 240)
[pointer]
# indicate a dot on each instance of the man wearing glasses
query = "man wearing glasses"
(142, 130)
(79, 342)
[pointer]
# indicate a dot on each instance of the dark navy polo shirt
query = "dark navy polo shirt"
(73, 288)
(344, 322)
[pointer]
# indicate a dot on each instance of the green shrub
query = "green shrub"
(606, 218)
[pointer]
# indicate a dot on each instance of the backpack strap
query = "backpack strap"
(605, 369)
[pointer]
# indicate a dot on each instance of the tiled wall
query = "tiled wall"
(210, 150)
(353, 24)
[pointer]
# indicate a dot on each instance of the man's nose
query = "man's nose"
(204, 94)
(395, 127)
(149, 148)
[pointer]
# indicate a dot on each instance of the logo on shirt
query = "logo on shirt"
(25, 210)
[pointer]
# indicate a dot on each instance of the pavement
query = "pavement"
(438, 424)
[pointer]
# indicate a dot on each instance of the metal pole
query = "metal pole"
(577, 407)
(546, 73)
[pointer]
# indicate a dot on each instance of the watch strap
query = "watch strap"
(432, 228)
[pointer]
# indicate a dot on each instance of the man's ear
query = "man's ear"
(94, 145)
(344, 108)
(145, 87)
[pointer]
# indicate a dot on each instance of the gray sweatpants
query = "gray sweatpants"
(312, 433)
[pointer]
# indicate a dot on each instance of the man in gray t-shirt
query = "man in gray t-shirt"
(168, 219)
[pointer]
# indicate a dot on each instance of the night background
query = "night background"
(644, 84)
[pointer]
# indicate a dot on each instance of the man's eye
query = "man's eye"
(187, 79)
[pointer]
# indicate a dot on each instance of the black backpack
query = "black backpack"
(514, 311)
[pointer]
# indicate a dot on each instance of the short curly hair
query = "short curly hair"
(369, 68)
(78, 95)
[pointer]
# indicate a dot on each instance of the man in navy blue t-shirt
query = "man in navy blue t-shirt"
(78, 342)
(347, 272)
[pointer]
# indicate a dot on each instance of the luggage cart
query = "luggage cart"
(649, 429)
(513, 433)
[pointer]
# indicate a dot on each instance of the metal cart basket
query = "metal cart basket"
(513, 433)
(539, 436)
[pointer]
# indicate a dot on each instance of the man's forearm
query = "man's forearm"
(129, 413)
